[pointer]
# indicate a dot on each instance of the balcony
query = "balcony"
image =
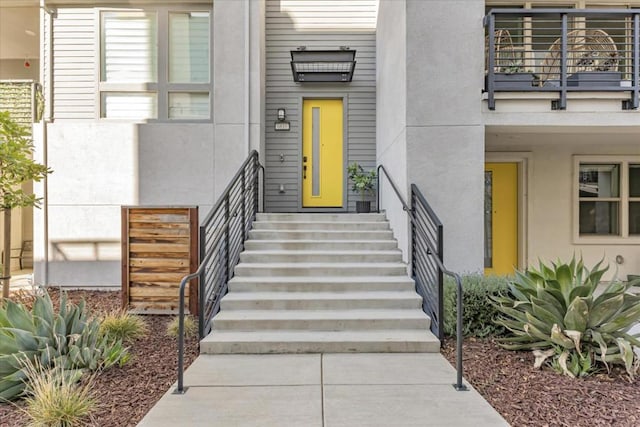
(563, 50)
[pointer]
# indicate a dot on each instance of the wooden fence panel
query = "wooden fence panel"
(159, 248)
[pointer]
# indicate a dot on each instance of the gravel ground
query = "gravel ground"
(126, 394)
(530, 397)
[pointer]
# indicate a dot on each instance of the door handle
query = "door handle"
(304, 172)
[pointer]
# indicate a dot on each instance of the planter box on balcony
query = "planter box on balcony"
(595, 79)
(513, 81)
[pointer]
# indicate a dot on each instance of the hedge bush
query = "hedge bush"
(478, 313)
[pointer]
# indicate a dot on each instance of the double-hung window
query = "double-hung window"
(608, 198)
(155, 64)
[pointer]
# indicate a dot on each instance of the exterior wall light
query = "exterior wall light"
(282, 124)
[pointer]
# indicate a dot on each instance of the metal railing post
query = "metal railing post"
(441, 282)
(201, 282)
(636, 62)
(227, 242)
(459, 385)
(562, 105)
(413, 236)
(492, 61)
(180, 389)
(264, 184)
(243, 209)
(378, 188)
(256, 196)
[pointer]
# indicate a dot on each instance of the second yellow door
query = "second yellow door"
(501, 218)
(322, 153)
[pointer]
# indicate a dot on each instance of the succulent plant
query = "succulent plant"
(67, 338)
(556, 312)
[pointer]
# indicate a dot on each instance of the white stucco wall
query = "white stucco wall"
(445, 133)
(551, 188)
(230, 33)
(391, 107)
(100, 166)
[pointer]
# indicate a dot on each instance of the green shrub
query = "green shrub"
(555, 312)
(55, 398)
(67, 338)
(478, 312)
(190, 327)
(120, 325)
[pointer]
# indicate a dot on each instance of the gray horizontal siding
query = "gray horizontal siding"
(74, 63)
(316, 24)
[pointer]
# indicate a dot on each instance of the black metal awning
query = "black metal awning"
(323, 65)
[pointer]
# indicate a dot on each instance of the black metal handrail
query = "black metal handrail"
(563, 50)
(222, 236)
(427, 240)
(427, 227)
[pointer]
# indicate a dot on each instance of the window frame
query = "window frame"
(623, 238)
(162, 87)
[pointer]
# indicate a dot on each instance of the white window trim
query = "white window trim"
(162, 87)
(624, 238)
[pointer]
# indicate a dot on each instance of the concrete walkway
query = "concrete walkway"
(332, 390)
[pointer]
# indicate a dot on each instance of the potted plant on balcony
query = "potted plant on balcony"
(363, 183)
(514, 78)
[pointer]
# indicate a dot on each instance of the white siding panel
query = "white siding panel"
(317, 24)
(74, 63)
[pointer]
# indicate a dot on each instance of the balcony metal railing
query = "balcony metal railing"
(563, 50)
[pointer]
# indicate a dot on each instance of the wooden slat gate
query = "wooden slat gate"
(159, 248)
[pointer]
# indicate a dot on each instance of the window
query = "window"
(608, 197)
(599, 189)
(155, 65)
(634, 199)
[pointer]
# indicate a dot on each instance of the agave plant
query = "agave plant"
(556, 312)
(67, 338)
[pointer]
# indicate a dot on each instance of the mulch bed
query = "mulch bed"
(126, 394)
(530, 397)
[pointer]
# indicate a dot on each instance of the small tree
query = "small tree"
(363, 182)
(16, 167)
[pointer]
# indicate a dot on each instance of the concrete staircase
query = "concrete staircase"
(316, 283)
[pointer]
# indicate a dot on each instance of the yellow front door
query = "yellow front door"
(322, 163)
(500, 218)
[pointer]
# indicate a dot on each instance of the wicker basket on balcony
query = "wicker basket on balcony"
(505, 53)
(587, 50)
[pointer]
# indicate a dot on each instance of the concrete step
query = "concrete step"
(320, 235)
(280, 256)
(320, 320)
(342, 217)
(322, 284)
(320, 300)
(373, 341)
(321, 245)
(318, 225)
(320, 269)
